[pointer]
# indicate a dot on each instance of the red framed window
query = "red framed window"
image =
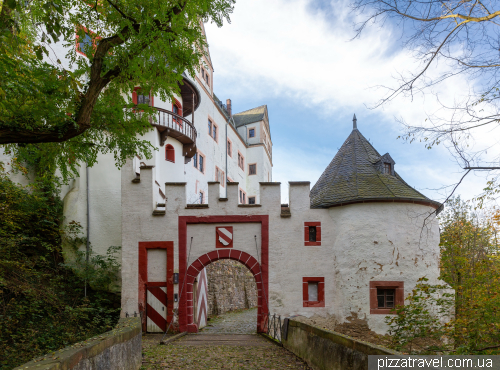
(85, 42)
(243, 196)
(139, 96)
(241, 161)
(229, 148)
(177, 110)
(313, 291)
(219, 176)
(170, 153)
(312, 233)
(385, 296)
(251, 132)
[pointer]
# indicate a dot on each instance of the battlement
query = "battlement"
(176, 198)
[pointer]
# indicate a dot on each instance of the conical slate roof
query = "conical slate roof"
(356, 175)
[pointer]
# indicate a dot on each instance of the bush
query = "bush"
(42, 303)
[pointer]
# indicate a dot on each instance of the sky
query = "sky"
(298, 57)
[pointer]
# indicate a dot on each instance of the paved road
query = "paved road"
(237, 322)
(212, 350)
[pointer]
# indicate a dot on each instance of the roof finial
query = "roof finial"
(354, 123)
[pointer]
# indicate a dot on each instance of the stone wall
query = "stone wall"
(230, 287)
(118, 349)
(327, 350)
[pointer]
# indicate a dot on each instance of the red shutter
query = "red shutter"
(318, 233)
(134, 95)
(306, 233)
(170, 153)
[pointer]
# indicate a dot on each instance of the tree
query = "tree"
(470, 264)
(463, 35)
(55, 114)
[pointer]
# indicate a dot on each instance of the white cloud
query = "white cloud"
(282, 49)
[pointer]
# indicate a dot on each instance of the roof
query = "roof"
(354, 175)
(250, 116)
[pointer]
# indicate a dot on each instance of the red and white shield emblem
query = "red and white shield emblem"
(224, 237)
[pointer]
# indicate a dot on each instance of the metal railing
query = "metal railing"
(173, 121)
(274, 326)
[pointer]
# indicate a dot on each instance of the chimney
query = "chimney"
(228, 105)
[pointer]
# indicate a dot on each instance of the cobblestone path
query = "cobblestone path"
(219, 351)
(236, 322)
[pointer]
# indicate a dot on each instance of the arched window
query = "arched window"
(177, 109)
(170, 153)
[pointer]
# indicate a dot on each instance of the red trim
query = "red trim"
(186, 322)
(321, 291)
(143, 277)
(77, 44)
(306, 233)
(399, 299)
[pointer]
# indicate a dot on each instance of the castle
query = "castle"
(354, 244)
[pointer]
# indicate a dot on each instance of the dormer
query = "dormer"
(386, 164)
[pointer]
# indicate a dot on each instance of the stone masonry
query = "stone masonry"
(230, 287)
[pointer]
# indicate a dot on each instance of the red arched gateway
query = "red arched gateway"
(259, 271)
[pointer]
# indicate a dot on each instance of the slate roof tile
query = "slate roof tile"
(353, 175)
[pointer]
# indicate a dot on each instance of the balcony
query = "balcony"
(177, 127)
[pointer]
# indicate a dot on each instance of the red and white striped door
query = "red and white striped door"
(156, 309)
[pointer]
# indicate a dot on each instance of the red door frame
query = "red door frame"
(260, 271)
(143, 278)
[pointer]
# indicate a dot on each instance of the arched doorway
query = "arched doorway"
(247, 260)
(188, 273)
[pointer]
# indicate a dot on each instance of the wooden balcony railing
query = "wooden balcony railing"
(177, 127)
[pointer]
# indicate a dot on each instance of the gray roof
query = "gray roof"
(250, 116)
(354, 175)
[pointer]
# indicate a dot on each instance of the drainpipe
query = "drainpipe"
(225, 185)
(88, 231)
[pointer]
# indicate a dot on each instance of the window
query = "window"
(209, 127)
(202, 73)
(84, 43)
(177, 109)
(241, 161)
(195, 160)
(140, 97)
(219, 175)
(215, 133)
(201, 160)
(387, 168)
(251, 132)
(313, 291)
(312, 233)
(170, 153)
(385, 296)
(243, 197)
(252, 169)
(229, 148)
(251, 200)
(201, 197)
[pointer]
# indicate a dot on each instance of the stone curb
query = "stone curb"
(174, 338)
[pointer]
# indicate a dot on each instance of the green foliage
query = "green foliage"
(470, 264)
(65, 109)
(42, 304)
(421, 317)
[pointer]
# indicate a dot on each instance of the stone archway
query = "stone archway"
(187, 274)
(250, 262)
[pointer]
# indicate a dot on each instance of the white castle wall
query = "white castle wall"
(360, 243)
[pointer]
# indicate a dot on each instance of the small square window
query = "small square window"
(251, 132)
(313, 291)
(142, 99)
(252, 169)
(385, 296)
(312, 233)
(251, 200)
(387, 168)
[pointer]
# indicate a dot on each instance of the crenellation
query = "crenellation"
(175, 196)
(270, 197)
(213, 193)
(299, 200)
